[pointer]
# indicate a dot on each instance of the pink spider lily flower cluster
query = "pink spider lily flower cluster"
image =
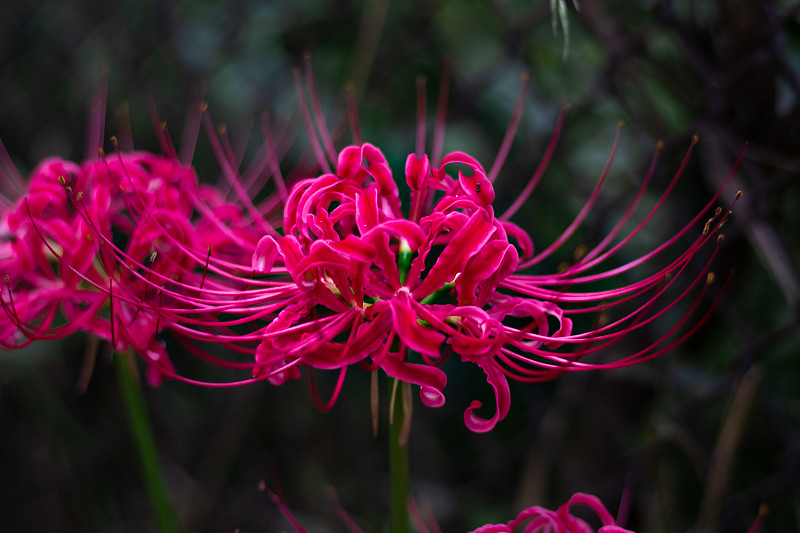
(373, 286)
(540, 520)
(130, 245)
(534, 519)
(364, 282)
(72, 250)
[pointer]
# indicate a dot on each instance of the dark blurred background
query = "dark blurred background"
(698, 439)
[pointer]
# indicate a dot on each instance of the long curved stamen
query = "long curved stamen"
(539, 172)
(586, 206)
(421, 121)
(313, 139)
(511, 130)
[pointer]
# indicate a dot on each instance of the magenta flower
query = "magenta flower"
(355, 279)
(347, 276)
(534, 519)
(540, 520)
(73, 250)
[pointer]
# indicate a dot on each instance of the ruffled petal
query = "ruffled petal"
(266, 253)
(430, 379)
(418, 337)
(502, 395)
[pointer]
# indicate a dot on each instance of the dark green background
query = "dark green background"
(727, 70)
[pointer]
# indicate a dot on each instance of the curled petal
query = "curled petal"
(415, 335)
(496, 260)
(349, 162)
(367, 215)
(351, 167)
(265, 255)
(404, 229)
(417, 171)
(502, 395)
(293, 258)
(508, 264)
(430, 379)
(159, 367)
(523, 239)
(539, 311)
(354, 248)
(482, 336)
(379, 169)
(477, 186)
(592, 502)
(464, 244)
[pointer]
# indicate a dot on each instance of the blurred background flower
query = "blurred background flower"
(698, 439)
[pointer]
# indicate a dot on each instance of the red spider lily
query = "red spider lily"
(346, 277)
(72, 249)
(534, 519)
(540, 520)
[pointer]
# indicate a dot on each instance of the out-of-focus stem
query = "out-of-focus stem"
(163, 510)
(398, 461)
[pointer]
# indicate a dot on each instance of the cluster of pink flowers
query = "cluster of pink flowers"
(367, 284)
(338, 270)
(332, 273)
(93, 248)
(540, 520)
(534, 519)
(128, 245)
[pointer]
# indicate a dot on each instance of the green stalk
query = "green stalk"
(166, 519)
(398, 462)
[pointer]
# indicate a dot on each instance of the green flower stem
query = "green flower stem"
(166, 519)
(398, 462)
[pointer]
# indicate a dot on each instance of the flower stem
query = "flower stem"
(398, 461)
(165, 517)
